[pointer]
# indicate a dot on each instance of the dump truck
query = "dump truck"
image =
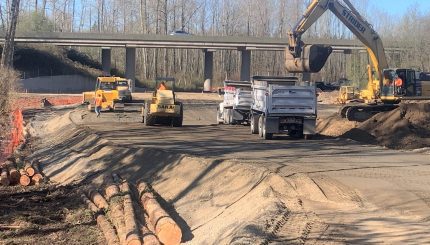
(163, 109)
(283, 105)
(113, 98)
(236, 106)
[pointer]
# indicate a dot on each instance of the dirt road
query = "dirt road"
(363, 193)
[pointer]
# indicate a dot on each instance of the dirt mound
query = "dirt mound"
(207, 197)
(328, 97)
(334, 126)
(407, 127)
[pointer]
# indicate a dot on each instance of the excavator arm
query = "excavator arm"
(305, 58)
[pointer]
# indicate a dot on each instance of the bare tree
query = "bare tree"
(9, 42)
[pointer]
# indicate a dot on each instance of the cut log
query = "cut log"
(29, 169)
(4, 177)
(166, 229)
(111, 190)
(14, 175)
(148, 237)
(37, 179)
(24, 180)
(99, 200)
(104, 225)
(131, 227)
(116, 212)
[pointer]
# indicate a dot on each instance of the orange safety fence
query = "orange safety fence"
(15, 136)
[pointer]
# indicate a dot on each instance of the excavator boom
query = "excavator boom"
(311, 58)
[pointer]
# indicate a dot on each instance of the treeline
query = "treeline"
(262, 18)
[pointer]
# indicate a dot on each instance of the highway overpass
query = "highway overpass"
(208, 44)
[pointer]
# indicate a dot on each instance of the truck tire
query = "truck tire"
(218, 117)
(227, 117)
(260, 125)
(148, 119)
(177, 121)
(254, 123)
(232, 121)
(265, 135)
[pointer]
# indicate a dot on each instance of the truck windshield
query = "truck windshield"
(107, 86)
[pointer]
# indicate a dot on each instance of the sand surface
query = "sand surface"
(226, 186)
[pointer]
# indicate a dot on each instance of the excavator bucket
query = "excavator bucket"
(313, 58)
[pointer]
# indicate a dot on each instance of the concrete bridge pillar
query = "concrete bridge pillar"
(106, 61)
(306, 77)
(245, 68)
(130, 66)
(208, 70)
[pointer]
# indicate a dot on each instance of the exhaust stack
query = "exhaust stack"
(313, 58)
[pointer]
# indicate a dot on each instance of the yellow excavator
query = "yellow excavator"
(381, 93)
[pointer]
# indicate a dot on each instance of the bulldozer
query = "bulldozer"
(163, 109)
(112, 95)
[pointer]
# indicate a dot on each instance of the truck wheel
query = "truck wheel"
(260, 125)
(148, 120)
(254, 123)
(266, 136)
(232, 121)
(177, 121)
(218, 117)
(227, 116)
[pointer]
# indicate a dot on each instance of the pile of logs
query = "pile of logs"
(21, 173)
(125, 221)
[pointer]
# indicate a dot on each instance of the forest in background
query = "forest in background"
(260, 18)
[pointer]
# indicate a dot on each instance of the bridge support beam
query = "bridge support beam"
(306, 77)
(130, 66)
(245, 68)
(208, 70)
(106, 61)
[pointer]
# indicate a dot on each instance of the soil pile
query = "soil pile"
(407, 127)
(334, 126)
(328, 98)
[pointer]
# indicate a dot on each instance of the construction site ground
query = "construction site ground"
(221, 184)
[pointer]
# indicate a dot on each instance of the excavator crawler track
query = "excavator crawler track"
(361, 113)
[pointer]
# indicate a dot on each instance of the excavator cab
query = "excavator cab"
(309, 58)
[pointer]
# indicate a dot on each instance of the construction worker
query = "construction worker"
(98, 102)
(162, 86)
(398, 83)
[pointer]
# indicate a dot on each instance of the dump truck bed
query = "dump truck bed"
(283, 96)
(237, 95)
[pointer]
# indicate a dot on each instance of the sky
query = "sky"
(400, 7)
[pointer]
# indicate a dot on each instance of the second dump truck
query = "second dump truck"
(236, 106)
(283, 105)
